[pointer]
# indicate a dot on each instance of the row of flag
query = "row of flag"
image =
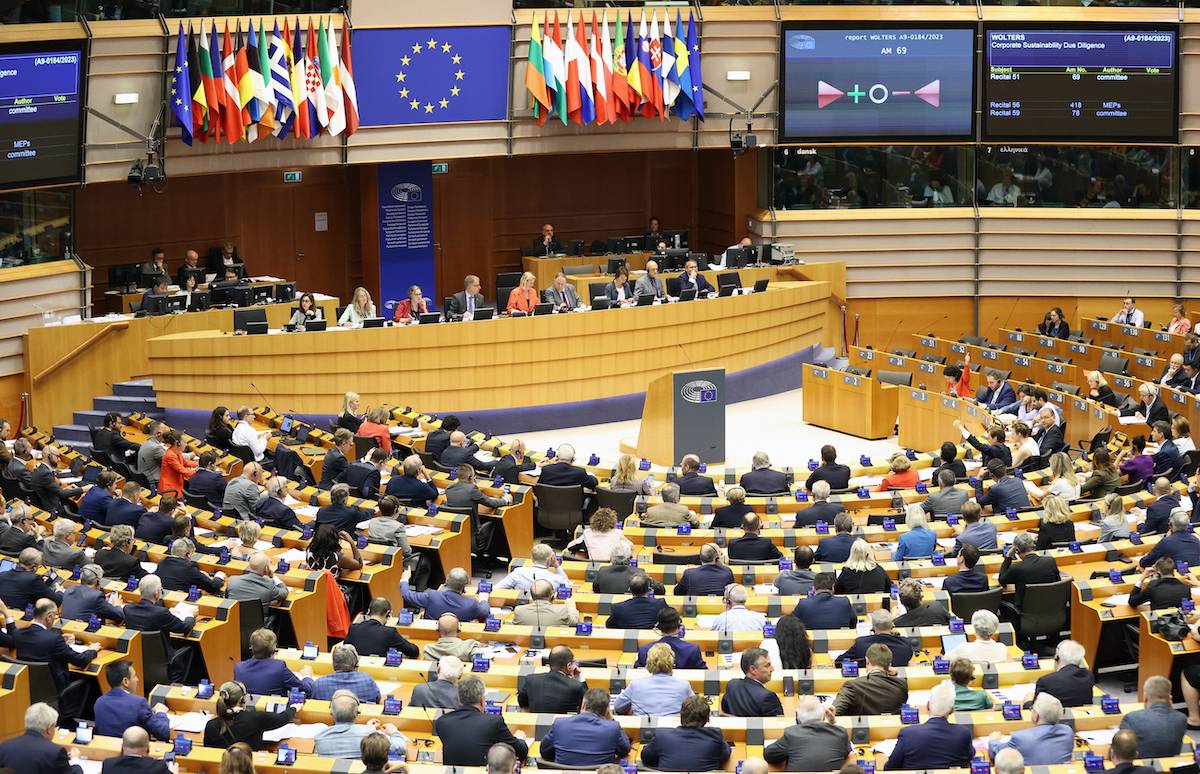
(599, 80)
(263, 84)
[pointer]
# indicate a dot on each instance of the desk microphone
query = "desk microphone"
(888, 343)
(264, 397)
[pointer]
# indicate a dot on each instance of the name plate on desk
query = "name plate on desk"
(928, 342)
(1122, 381)
(1078, 348)
(950, 403)
(1080, 405)
(1056, 368)
(1097, 325)
(851, 380)
(1046, 341)
(959, 348)
(990, 354)
(820, 373)
(1162, 336)
(918, 395)
(1057, 397)
(926, 367)
(1178, 398)
(896, 361)
(1017, 337)
(1098, 412)
(1129, 331)
(972, 410)
(867, 354)
(1021, 360)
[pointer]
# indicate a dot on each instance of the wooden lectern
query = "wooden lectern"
(684, 413)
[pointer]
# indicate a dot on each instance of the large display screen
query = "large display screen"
(1080, 83)
(41, 104)
(877, 83)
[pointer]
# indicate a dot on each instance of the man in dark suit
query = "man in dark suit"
(1159, 729)
(1181, 545)
(692, 279)
(640, 611)
(837, 476)
(821, 509)
(373, 637)
(43, 480)
(709, 579)
(458, 453)
(1004, 493)
(1123, 751)
(124, 707)
(1168, 459)
(135, 756)
(588, 738)
(996, 393)
(96, 501)
(561, 294)
(363, 477)
(438, 440)
(23, 533)
(1024, 566)
(337, 459)
(190, 266)
(690, 481)
(1159, 586)
(1172, 375)
(412, 486)
(1191, 382)
(731, 516)
(119, 558)
(547, 243)
(836, 547)
(1050, 440)
(338, 513)
(85, 599)
(22, 586)
(126, 509)
(510, 467)
(465, 301)
(748, 697)
(155, 526)
(273, 510)
(178, 573)
(262, 673)
(1072, 682)
(148, 614)
(564, 471)
(441, 693)
(687, 655)
(1149, 407)
(753, 546)
(882, 632)
(35, 752)
(40, 641)
(823, 610)
(468, 732)
(761, 480)
(916, 612)
(559, 691)
(207, 481)
(616, 577)
(967, 579)
(18, 467)
(110, 441)
(936, 743)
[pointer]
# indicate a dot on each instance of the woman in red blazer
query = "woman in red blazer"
(524, 297)
(176, 469)
(376, 426)
(409, 309)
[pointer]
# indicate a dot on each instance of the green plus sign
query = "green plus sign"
(856, 92)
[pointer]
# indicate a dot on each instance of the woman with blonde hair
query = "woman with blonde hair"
(1063, 481)
(1099, 391)
(1181, 430)
(658, 693)
(1180, 324)
(360, 308)
(861, 574)
(1056, 525)
(349, 417)
(902, 475)
(1114, 525)
(626, 479)
(524, 297)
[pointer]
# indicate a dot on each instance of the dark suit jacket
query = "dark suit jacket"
(687, 655)
(928, 614)
(437, 441)
(823, 511)
(148, 617)
(179, 574)
(154, 527)
(118, 564)
(411, 489)
(566, 474)
(1163, 592)
(610, 290)
(1072, 685)
(46, 490)
(276, 513)
(935, 744)
(467, 734)
(1002, 397)
(121, 511)
(508, 469)
(1032, 569)
(331, 469)
(13, 541)
(687, 749)
(133, 764)
(540, 246)
(551, 692)
(826, 611)
(81, 602)
(705, 580)
(270, 676)
(1061, 331)
(1050, 441)
(902, 652)
(457, 305)
(702, 285)
(1167, 460)
(35, 643)
(362, 478)
(19, 587)
(730, 516)
(113, 443)
(1156, 413)
(746, 698)
(372, 638)
(696, 484)
(207, 484)
(1158, 515)
(1008, 492)
(614, 579)
(1180, 546)
(94, 504)
(636, 613)
(997, 451)
(344, 517)
(764, 481)
(33, 753)
(753, 546)
(837, 476)
(453, 456)
(965, 582)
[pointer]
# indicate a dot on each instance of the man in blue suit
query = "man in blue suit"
(413, 488)
(95, 502)
(687, 655)
(207, 481)
(639, 611)
(836, 547)
(1048, 742)
(126, 509)
(590, 738)
(823, 610)
(363, 477)
(691, 482)
(273, 510)
(34, 752)
(149, 615)
(761, 480)
(448, 599)
(997, 393)
(1168, 459)
(22, 586)
(936, 743)
(709, 579)
(123, 706)
(82, 601)
(882, 632)
(339, 513)
(40, 641)
(1181, 545)
(821, 509)
(458, 453)
(1004, 493)
(262, 673)
(1158, 515)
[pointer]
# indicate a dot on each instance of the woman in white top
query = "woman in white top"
(1023, 446)
(1063, 482)
(984, 649)
(361, 308)
(1114, 525)
(306, 310)
(1182, 430)
(601, 535)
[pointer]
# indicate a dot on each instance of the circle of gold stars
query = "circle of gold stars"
(430, 46)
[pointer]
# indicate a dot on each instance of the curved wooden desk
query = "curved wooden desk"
(489, 364)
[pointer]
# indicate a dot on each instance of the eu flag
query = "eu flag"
(428, 75)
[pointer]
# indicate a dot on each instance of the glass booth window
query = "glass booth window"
(1075, 176)
(854, 177)
(35, 226)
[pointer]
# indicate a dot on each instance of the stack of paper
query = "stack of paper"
(293, 555)
(183, 610)
(1116, 600)
(294, 731)
(414, 530)
(189, 722)
(306, 510)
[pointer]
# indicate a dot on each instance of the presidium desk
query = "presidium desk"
(491, 364)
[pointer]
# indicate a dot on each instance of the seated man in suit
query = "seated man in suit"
(123, 707)
(670, 512)
(119, 558)
(880, 691)
(21, 586)
(730, 516)
(709, 579)
(86, 599)
(824, 610)
(225, 257)
(60, 549)
(96, 501)
(468, 733)
(748, 697)
(558, 691)
(412, 487)
(1049, 741)
(692, 279)
(917, 613)
(264, 674)
(882, 633)
(448, 599)
(967, 579)
(948, 498)
(1172, 375)
(339, 512)
(35, 750)
(510, 467)
(1004, 493)
(48, 494)
(798, 580)
(373, 637)
(22, 455)
(641, 610)
(1050, 439)
(179, 573)
(441, 693)
(815, 743)
(761, 480)
(110, 441)
(1126, 747)
(1168, 459)
(126, 509)
(650, 284)
(23, 533)
(693, 744)
(191, 265)
(936, 743)
(149, 614)
(1072, 682)
(836, 547)
(547, 243)
(753, 546)
(466, 301)
(562, 294)
(272, 510)
(1180, 544)
(541, 611)
(41, 641)
(996, 394)
(337, 459)
(589, 738)
(155, 526)
(135, 756)
(974, 530)
(363, 477)
(564, 472)
(687, 655)
(829, 471)
(1158, 514)
(458, 453)
(691, 482)
(1158, 729)
(1021, 567)
(439, 439)
(207, 482)
(1150, 407)
(258, 583)
(1159, 586)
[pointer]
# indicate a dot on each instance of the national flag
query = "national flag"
(348, 87)
(632, 75)
(670, 78)
(556, 65)
(196, 86)
(231, 110)
(683, 103)
(606, 62)
(535, 78)
(280, 56)
(332, 78)
(577, 55)
(645, 71)
(247, 87)
(656, 68)
(299, 77)
(264, 91)
(574, 104)
(318, 114)
(181, 87)
(621, 93)
(693, 47)
(214, 92)
(600, 77)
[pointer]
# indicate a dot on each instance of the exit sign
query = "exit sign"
(441, 167)
(292, 176)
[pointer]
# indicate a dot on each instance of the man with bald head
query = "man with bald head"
(191, 265)
(242, 493)
(258, 582)
(135, 755)
(448, 599)
(412, 487)
(541, 610)
(650, 284)
(457, 453)
(510, 467)
(22, 586)
(1172, 375)
(547, 243)
(558, 691)
(449, 643)
(564, 472)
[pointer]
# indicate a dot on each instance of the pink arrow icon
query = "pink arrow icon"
(827, 95)
(930, 92)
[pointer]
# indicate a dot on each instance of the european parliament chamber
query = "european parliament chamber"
(566, 385)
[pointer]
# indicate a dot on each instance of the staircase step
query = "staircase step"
(135, 388)
(124, 404)
(79, 433)
(88, 418)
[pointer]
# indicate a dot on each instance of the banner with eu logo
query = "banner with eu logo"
(432, 75)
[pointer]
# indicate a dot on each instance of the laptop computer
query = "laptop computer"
(645, 299)
(760, 285)
(544, 308)
(428, 318)
(302, 433)
(484, 313)
(687, 294)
